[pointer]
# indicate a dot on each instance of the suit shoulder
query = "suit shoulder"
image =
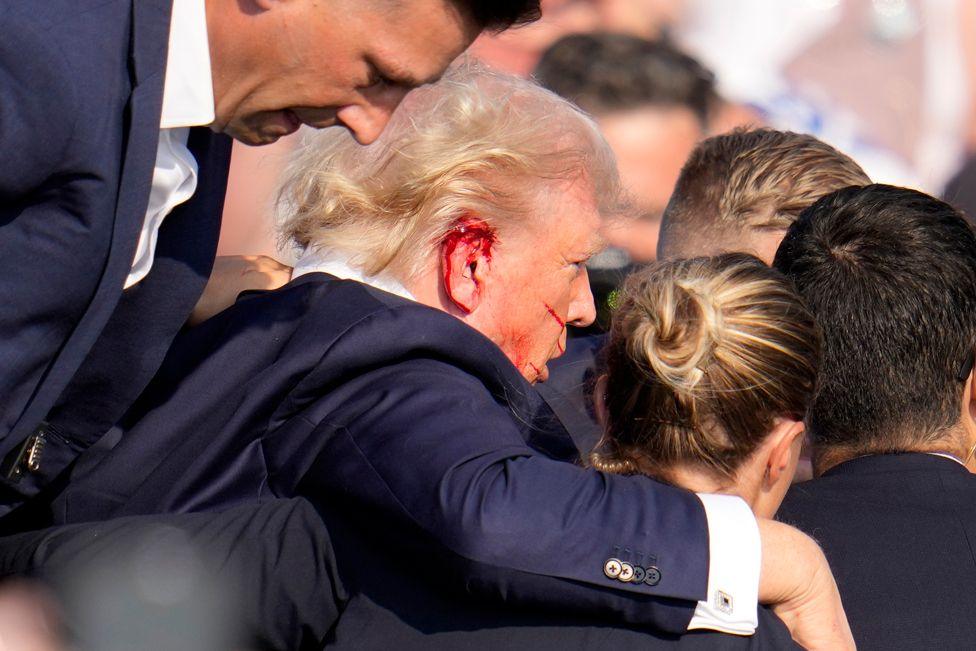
(357, 305)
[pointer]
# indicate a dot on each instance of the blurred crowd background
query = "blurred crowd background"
(886, 81)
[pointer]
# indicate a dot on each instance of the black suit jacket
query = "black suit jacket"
(899, 532)
(348, 395)
(81, 86)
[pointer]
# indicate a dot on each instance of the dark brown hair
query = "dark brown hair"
(704, 354)
(618, 72)
(499, 15)
(890, 274)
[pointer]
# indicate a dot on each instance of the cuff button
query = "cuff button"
(652, 576)
(639, 574)
(612, 568)
(626, 572)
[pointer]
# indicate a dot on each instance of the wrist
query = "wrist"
(791, 563)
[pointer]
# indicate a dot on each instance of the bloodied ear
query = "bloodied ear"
(465, 260)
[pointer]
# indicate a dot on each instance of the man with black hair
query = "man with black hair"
(890, 274)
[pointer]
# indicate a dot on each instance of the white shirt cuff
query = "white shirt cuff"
(735, 556)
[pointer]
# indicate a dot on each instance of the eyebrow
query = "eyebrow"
(596, 245)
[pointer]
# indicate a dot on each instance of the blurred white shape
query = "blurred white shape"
(155, 593)
(166, 569)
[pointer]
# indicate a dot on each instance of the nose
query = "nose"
(582, 311)
(366, 120)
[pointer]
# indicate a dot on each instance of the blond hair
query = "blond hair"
(704, 354)
(749, 180)
(477, 143)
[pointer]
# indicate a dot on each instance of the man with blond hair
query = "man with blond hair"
(390, 384)
(740, 191)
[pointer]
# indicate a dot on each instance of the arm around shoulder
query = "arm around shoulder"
(431, 449)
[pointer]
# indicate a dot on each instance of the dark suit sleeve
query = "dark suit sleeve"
(267, 569)
(426, 442)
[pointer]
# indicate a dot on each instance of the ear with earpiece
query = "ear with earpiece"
(784, 449)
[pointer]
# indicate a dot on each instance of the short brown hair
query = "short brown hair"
(602, 72)
(749, 180)
(704, 355)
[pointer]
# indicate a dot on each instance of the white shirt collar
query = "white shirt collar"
(337, 264)
(188, 99)
(947, 456)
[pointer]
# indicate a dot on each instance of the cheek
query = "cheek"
(525, 335)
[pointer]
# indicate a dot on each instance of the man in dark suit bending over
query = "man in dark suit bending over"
(116, 118)
(890, 274)
(389, 382)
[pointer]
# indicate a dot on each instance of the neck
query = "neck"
(953, 444)
(700, 481)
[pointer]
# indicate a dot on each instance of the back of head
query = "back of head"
(747, 182)
(890, 274)
(616, 72)
(704, 354)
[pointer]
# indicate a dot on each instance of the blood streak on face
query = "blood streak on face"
(562, 325)
(555, 315)
(473, 235)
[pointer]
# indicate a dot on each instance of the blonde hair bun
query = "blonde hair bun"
(704, 354)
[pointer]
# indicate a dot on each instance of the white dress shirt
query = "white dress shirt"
(187, 102)
(734, 546)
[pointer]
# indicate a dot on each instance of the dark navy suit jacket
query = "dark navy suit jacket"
(393, 604)
(81, 86)
(899, 531)
(420, 427)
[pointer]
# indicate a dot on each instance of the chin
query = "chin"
(254, 136)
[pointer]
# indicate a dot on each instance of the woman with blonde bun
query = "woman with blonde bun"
(710, 368)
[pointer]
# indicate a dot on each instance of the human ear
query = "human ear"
(968, 420)
(785, 441)
(466, 252)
